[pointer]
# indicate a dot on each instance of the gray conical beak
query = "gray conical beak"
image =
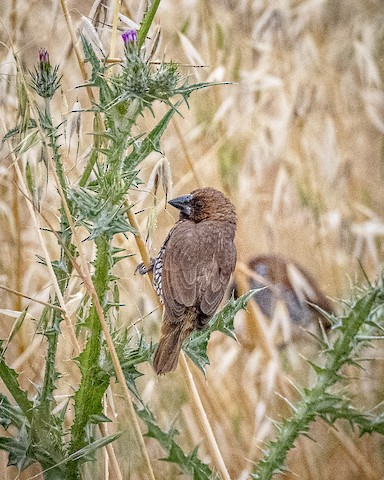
(182, 203)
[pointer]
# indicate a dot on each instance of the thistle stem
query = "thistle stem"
(147, 22)
(90, 356)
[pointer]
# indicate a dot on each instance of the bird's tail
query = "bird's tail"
(168, 349)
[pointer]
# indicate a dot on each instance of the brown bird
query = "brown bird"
(290, 284)
(192, 269)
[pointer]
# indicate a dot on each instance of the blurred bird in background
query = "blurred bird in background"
(193, 268)
(287, 284)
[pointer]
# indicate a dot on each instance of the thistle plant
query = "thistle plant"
(100, 205)
(366, 315)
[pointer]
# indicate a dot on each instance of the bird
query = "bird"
(287, 282)
(192, 269)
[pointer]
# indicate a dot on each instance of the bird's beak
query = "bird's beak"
(182, 203)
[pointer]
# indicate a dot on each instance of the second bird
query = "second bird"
(193, 269)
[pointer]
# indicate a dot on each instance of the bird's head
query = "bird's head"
(205, 204)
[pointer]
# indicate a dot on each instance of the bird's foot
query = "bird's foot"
(143, 269)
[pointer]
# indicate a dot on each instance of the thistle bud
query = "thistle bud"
(44, 80)
(44, 57)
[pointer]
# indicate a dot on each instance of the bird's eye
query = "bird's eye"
(199, 204)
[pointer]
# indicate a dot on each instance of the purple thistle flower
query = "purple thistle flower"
(43, 56)
(129, 36)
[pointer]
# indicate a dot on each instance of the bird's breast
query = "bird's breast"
(157, 274)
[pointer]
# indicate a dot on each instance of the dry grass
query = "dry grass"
(296, 142)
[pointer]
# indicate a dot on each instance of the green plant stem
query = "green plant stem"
(51, 134)
(147, 22)
(314, 400)
(53, 331)
(47, 102)
(50, 374)
(89, 363)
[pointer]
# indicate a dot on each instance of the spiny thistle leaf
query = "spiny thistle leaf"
(189, 464)
(10, 414)
(87, 453)
(150, 143)
(341, 409)
(10, 379)
(17, 449)
(129, 357)
(154, 431)
(31, 445)
(99, 216)
(98, 67)
(15, 131)
(186, 89)
(196, 346)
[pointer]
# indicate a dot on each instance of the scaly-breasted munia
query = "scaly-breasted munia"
(193, 269)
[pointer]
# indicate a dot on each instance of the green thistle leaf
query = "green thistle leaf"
(129, 358)
(196, 346)
(189, 464)
(17, 130)
(10, 414)
(100, 217)
(150, 143)
(17, 449)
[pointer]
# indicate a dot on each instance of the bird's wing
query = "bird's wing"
(197, 264)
